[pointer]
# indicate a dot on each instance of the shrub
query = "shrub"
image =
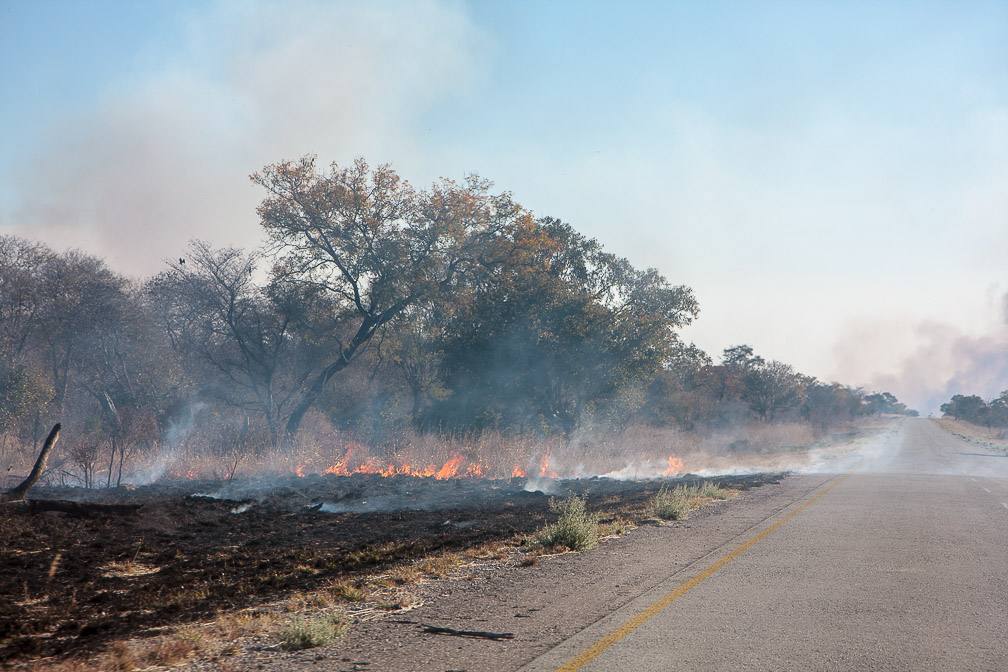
(311, 632)
(672, 504)
(576, 529)
(708, 489)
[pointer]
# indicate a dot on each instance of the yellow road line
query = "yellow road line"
(619, 633)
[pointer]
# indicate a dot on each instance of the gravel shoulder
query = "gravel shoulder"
(531, 609)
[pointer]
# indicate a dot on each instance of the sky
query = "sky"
(831, 178)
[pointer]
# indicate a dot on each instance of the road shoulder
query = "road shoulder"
(532, 609)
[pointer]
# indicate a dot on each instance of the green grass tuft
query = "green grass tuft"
(311, 632)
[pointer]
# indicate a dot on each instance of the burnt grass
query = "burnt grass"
(71, 583)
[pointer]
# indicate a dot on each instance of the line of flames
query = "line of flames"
(453, 468)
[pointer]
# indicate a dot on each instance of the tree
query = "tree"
(374, 245)
(22, 265)
(771, 388)
(257, 344)
(884, 402)
(23, 396)
(413, 347)
(999, 409)
(560, 331)
(825, 405)
(963, 407)
(82, 297)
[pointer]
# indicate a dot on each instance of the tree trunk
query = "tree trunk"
(36, 473)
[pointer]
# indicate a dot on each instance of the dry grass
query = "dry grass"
(996, 437)
(348, 591)
(440, 566)
(614, 527)
(637, 451)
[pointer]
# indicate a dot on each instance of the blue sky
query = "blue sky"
(830, 177)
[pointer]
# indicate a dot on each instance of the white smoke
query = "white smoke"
(166, 158)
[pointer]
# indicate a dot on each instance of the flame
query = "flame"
(339, 469)
(675, 466)
(372, 465)
(475, 470)
(518, 472)
(544, 466)
(300, 470)
(450, 467)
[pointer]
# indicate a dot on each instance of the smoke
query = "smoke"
(166, 156)
(948, 362)
(178, 430)
(924, 363)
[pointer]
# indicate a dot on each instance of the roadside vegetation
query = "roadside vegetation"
(310, 631)
(973, 419)
(991, 415)
(454, 322)
(577, 529)
(675, 503)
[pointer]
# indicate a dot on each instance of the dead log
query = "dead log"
(36, 473)
(68, 506)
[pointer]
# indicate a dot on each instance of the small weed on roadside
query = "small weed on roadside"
(675, 503)
(576, 529)
(671, 504)
(708, 489)
(348, 592)
(440, 566)
(308, 633)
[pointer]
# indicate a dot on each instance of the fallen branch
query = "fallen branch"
(477, 634)
(67, 506)
(36, 473)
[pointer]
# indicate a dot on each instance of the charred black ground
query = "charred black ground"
(70, 584)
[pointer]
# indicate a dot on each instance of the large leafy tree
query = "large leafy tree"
(558, 333)
(374, 244)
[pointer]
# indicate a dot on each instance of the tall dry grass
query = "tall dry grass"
(638, 451)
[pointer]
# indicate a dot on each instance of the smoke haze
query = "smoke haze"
(946, 360)
(164, 159)
(800, 168)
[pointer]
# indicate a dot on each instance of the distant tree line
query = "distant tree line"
(993, 413)
(375, 306)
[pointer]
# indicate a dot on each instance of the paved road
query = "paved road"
(901, 564)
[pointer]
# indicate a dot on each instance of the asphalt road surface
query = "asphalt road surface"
(901, 563)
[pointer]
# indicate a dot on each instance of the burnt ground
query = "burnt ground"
(72, 583)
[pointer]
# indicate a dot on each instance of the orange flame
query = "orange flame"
(518, 472)
(544, 467)
(675, 466)
(339, 469)
(300, 470)
(475, 470)
(450, 467)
